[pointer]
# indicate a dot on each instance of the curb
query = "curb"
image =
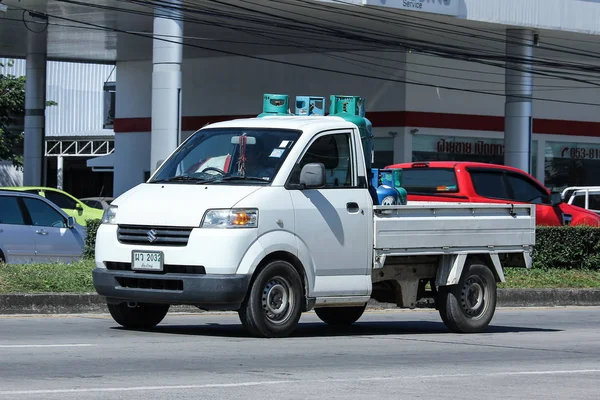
(83, 303)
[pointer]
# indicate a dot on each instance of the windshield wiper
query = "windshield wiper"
(180, 178)
(242, 178)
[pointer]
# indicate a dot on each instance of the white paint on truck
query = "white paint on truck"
(271, 246)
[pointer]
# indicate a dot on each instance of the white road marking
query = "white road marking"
(299, 381)
(25, 346)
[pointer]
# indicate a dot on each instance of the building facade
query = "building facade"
(77, 129)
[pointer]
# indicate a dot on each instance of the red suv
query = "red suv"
(452, 181)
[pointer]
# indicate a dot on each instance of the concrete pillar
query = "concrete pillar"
(59, 172)
(35, 107)
(518, 110)
(166, 84)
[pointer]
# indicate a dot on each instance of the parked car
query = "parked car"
(69, 204)
(587, 197)
(100, 203)
(452, 181)
(33, 229)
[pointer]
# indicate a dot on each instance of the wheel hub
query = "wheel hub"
(277, 300)
(473, 297)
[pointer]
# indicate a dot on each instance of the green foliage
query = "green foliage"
(90, 240)
(57, 277)
(567, 247)
(12, 114)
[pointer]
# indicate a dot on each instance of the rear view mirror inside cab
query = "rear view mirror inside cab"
(249, 139)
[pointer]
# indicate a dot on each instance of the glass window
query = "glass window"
(92, 203)
(525, 190)
(61, 200)
(334, 152)
(489, 184)
(429, 180)
(44, 215)
(594, 202)
(456, 148)
(216, 155)
(579, 201)
(383, 152)
(571, 164)
(452, 148)
(10, 212)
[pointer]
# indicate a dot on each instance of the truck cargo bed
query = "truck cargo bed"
(453, 227)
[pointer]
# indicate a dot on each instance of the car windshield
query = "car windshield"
(232, 155)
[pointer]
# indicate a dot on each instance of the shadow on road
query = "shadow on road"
(317, 329)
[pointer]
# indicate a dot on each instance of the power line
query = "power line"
(320, 68)
(463, 56)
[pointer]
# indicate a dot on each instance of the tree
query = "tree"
(12, 113)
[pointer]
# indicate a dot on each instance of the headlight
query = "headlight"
(236, 218)
(109, 215)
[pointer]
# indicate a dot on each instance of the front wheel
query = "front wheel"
(469, 306)
(274, 304)
(340, 315)
(142, 316)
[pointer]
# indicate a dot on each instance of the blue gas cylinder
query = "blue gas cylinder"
(383, 191)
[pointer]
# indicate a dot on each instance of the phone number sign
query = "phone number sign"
(580, 153)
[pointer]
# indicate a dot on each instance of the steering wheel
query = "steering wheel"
(213, 169)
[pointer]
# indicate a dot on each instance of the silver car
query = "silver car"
(33, 229)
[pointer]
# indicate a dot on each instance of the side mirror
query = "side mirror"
(78, 206)
(555, 199)
(70, 222)
(312, 176)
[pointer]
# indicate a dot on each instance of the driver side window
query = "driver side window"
(44, 215)
(525, 190)
(335, 153)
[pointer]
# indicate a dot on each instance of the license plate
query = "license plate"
(147, 261)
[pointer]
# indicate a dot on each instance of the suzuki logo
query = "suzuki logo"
(152, 235)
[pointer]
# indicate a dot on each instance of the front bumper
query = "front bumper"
(210, 291)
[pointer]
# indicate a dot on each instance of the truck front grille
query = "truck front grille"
(149, 236)
(167, 269)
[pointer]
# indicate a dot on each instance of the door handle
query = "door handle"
(41, 232)
(352, 207)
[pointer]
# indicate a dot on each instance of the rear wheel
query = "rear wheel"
(469, 306)
(142, 316)
(274, 304)
(340, 315)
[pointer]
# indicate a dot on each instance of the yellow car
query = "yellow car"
(69, 204)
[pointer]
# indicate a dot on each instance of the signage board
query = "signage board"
(445, 7)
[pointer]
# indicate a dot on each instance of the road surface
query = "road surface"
(397, 354)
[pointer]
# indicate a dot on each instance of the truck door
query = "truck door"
(333, 222)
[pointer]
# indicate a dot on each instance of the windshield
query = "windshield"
(232, 155)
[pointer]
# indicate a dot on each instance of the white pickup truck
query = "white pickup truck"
(272, 217)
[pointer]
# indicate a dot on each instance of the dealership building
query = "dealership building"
(512, 82)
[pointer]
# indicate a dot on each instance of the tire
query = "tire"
(143, 316)
(273, 305)
(340, 316)
(469, 306)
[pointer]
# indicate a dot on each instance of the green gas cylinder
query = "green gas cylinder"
(275, 104)
(397, 180)
(352, 109)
